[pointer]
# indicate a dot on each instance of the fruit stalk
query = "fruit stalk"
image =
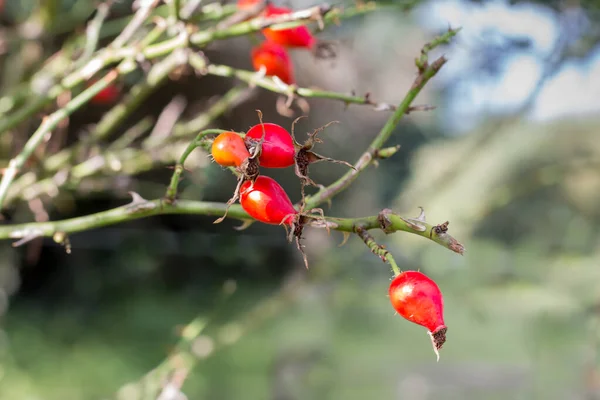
(378, 249)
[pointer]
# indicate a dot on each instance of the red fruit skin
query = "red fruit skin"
(106, 96)
(246, 4)
(228, 150)
(267, 202)
(278, 149)
(418, 299)
(299, 36)
(275, 59)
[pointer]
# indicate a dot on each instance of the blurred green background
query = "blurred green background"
(511, 157)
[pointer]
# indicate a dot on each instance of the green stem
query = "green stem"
(377, 249)
(201, 121)
(137, 210)
(115, 117)
(115, 54)
(50, 122)
(384, 134)
(133, 161)
(174, 7)
(265, 82)
(140, 92)
(93, 33)
(140, 16)
(179, 167)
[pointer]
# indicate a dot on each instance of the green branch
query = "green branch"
(131, 161)
(51, 122)
(253, 78)
(171, 193)
(384, 134)
(111, 55)
(115, 117)
(141, 208)
(377, 249)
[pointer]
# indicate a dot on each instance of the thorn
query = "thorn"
(245, 225)
(414, 224)
(138, 203)
(322, 215)
(421, 216)
(346, 237)
(27, 238)
(302, 251)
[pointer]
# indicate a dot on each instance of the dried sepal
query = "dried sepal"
(305, 156)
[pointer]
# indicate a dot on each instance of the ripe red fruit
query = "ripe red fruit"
(278, 149)
(299, 36)
(228, 150)
(106, 96)
(418, 299)
(266, 201)
(275, 59)
(247, 4)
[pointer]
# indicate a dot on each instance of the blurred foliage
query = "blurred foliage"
(522, 306)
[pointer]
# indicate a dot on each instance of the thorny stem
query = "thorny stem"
(26, 187)
(377, 249)
(367, 158)
(93, 33)
(115, 117)
(171, 193)
(51, 122)
(113, 55)
(393, 222)
(228, 101)
(136, 22)
(251, 78)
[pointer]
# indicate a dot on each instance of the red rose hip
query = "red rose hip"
(228, 150)
(278, 149)
(299, 36)
(106, 96)
(275, 60)
(418, 299)
(267, 202)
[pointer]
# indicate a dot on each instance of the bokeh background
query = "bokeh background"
(511, 157)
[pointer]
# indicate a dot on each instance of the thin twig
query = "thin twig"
(378, 249)
(92, 32)
(113, 55)
(50, 122)
(136, 22)
(157, 76)
(227, 102)
(171, 193)
(251, 78)
(367, 158)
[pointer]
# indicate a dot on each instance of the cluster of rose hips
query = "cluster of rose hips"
(268, 145)
(413, 295)
(271, 57)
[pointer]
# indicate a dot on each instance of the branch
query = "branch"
(171, 193)
(254, 79)
(115, 117)
(50, 122)
(367, 158)
(131, 161)
(140, 208)
(113, 55)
